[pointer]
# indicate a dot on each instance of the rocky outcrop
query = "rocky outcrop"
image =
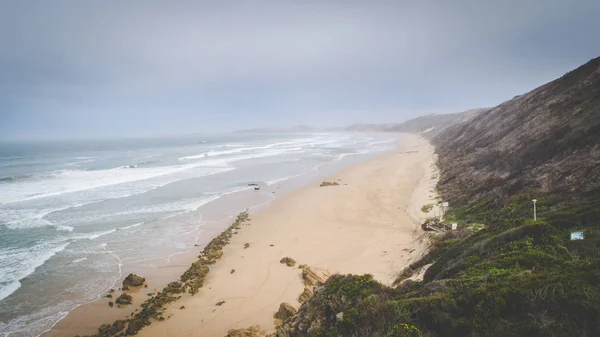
(174, 288)
(191, 281)
(306, 295)
(133, 280)
(314, 276)
(285, 311)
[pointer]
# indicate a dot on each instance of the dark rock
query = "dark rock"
(220, 303)
(288, 261)
(106, 330)
(111, 304)
(124, 299)
(133, 280)
(118, 325)
(109, 296)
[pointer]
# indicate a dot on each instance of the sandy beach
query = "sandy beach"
(366, 224)
(369, 223)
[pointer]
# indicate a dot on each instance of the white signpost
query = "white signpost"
(444, 205)
(454, 226)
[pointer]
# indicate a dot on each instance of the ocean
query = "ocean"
(75, 214)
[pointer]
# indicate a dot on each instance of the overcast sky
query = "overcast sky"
(136, 68)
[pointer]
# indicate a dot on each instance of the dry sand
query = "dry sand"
(367, 224)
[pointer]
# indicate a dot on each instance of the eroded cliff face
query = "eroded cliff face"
(546, 140)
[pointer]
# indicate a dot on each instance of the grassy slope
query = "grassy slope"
(516, 277)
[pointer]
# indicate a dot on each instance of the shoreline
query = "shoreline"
(72, 324)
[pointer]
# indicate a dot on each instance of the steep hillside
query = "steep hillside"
(428, 126)
(501, 273)
(547, 140)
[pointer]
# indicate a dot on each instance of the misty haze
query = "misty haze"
(299, 168)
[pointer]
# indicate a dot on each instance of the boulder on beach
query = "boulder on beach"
(288, 261)
(133, 280)
(285, 311)
(124, 299)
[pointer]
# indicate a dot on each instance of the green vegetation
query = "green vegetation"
(329, 183)
(511, 277)
(427, 208)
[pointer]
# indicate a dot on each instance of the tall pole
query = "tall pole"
(534, 210)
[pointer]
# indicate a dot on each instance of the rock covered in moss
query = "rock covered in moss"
(133, 280)
(174, 288)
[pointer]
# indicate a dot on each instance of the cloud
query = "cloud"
(272, 60)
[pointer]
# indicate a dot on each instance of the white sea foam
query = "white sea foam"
(278, 145)
(131, 226)
(6, 290)
(64, 228)
(43, 194)
(69, 181)
(17, 263)
(27, 215)
(92, 236)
